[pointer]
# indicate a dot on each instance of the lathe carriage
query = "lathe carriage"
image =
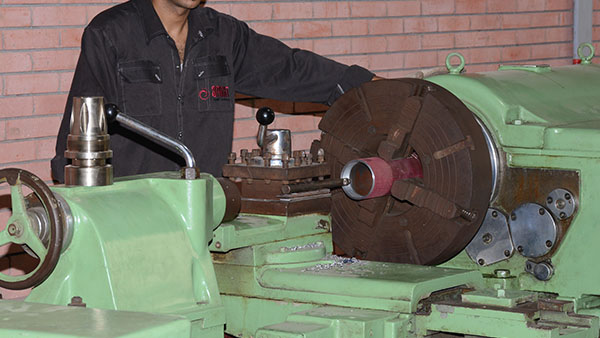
(459, 205)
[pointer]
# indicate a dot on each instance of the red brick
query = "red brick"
(17, 151)
(92, 11)
(30, 38)
(45, 148)
(110, 2)
(453, 23)
(566, 19)
(545, 19)
(550, 51)
(559, 34)
(32, 127)
(331, 9)
(2, 130)
(470, 6)
(55, 60)
(403, 8)
(403, 43)
(481, 22)
(421, 60)
(503, 6)
(434, 41)
(497, 38)
(70, 37)
(14, 62)
(436, 7)
(65, 80)
(244, 143)
(553, 5)
(386, 61)
(15, 17)
(332, 46)
(296, 123)
(257, 12)
(312, 29)
(31, 83)
(516, 20)
(16, 106)
(14, 294)
(531, 36)
(471, 39)
(19, 2)
(532, 5)
(243, 112)
(350, 27)
(244, 128)
(278, 30)
(367, 9)
(292, 10)
(304, 140)
(386, 26)
(516, 53)
(481, 55)
(371, 44)
(59, 15)
(49, 104)
(420, 25)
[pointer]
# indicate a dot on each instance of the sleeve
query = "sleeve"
(95, 75)
(266, 67)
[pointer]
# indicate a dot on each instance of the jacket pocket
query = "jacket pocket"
(213, 83)
(140, 83)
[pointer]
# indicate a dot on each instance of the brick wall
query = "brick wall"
(39, 42)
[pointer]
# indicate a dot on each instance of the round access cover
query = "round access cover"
(422, 221)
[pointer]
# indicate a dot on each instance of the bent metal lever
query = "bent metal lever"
(113, 113)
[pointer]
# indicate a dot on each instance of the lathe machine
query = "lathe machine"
(460, 205)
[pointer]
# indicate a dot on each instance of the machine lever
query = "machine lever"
(316, 185)
(113, 113)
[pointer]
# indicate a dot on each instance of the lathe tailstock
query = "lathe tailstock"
(459, 205)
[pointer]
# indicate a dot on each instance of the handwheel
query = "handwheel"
(19, 228)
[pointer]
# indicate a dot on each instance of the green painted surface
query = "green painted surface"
(142, 245)
(248, 230)
(22, 319)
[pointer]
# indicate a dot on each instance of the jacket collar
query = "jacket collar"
(199, 23)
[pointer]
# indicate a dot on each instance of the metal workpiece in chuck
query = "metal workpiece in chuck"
(88, 144)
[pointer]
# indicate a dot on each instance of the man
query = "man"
(176, 65)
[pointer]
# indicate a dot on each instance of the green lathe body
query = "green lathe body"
(150, 257)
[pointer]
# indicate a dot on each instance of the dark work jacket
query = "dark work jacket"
(128, 58)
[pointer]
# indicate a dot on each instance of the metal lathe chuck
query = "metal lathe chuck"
(424, 220)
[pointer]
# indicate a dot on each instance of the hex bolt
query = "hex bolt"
(320, 155)
(487, 238)
(14, 230)
(231, 158)
(218, 245)
(244, 156)
(549, 200)
(267, 159)
(285, 160)
(480, 261)
(549, 243)
(562, 215)
(77, 301)
(255, 152)
(506, 253)
(560, 204)
(494, 214)
(542, 211)
(520, 248)
(567, 196)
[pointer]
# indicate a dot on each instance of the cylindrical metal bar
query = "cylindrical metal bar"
(373, 177)
(316, 185)
(157, 136)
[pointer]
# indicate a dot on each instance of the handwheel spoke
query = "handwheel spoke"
(35, 244)
(19, 209)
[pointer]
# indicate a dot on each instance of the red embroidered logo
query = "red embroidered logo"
(220, 92)
(203, 94)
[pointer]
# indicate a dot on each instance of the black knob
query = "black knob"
(265, 116)
(111, 111)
